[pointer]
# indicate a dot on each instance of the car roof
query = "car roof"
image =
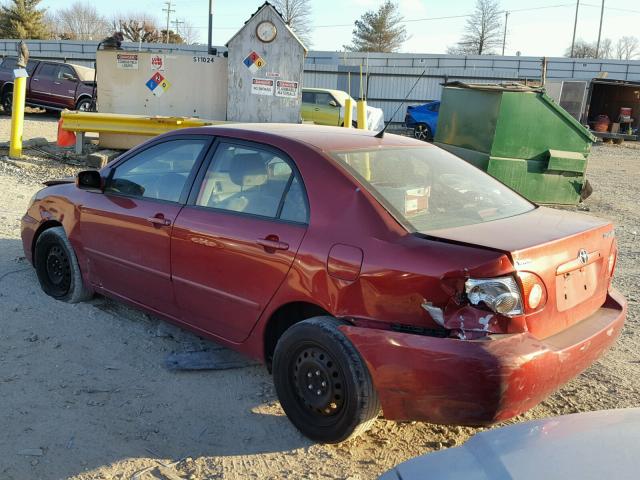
(339, 94)
(321, 137)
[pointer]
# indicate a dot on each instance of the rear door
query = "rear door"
(63, 90)
(126, 230)
(233, 244)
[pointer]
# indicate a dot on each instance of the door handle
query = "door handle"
(159, 221)
(35, 79)
(57, 83)
(272, 243)
(317, 109)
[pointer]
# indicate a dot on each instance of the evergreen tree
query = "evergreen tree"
(23, 19)
(379, 31)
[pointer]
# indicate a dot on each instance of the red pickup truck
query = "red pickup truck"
(51, 85)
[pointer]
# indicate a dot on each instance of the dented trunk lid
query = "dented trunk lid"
(552, 244)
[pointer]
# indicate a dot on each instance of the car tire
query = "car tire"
(323, 384)
(7, 101)
(57, 267)
(423, 132)
(84, 105)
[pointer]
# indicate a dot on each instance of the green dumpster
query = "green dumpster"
(518, 135)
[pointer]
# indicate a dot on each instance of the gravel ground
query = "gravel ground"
(84, 395)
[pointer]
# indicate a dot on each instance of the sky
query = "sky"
(535, 27)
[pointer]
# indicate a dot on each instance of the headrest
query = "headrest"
(248, 170)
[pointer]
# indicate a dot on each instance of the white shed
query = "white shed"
(265, 66)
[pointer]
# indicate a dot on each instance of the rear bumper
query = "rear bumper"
(450, 381)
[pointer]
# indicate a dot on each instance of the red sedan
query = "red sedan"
(365, 272)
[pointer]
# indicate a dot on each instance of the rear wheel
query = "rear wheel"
(7, 101)
(322, 382)
(57, 267)
(423, 132)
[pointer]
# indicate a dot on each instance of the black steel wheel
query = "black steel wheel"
(422, 132)
(57, 267)
(322, 382)
(7, 101)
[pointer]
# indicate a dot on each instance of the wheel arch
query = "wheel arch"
(83, 96)
(46, 225)
(7, 86)
(284, 317)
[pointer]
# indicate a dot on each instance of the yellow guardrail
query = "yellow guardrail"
(96, 122)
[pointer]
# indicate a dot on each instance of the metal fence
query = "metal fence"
(388, 77)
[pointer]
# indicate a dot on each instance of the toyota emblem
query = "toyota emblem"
(583, 256)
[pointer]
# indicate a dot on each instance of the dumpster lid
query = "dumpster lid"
(503, 87)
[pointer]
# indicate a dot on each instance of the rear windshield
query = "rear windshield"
(427, 188)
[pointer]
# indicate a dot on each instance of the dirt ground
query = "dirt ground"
(84, 393)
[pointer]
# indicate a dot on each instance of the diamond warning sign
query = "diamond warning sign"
(254, 62)
(158, 84)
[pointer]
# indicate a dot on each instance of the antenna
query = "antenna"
(380, 134)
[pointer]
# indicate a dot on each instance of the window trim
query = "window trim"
(186, 190)
(206, 164)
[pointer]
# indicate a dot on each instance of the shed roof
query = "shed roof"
(272, 7)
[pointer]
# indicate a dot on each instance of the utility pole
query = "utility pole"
(176, 25)
(504, 36)
(575, 25)
(169, 11)
(600, 31)
(210, 49)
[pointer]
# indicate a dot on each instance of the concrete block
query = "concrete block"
(35, 142)
(100, 158)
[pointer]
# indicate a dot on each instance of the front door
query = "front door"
(233, 244)
(327, 110)
(127, 230)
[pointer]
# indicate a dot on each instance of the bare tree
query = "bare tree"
(483, 31)
(296, 14)
(379, 31)
(627, 48)
(606, 49)
(189, 33)
(80, 21)
(138, 27)
(584, 49)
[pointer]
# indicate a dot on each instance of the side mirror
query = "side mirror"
(68, 76)
(89, 180)
(333, 103)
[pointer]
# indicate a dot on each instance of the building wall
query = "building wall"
(284, 59)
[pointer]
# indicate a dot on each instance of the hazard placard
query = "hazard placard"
(286, 88)
(262, 86)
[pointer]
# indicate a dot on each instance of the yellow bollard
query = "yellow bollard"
(17, 117)
(362, 114)
(348, 113)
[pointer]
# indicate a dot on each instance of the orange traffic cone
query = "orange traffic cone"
(65, 138)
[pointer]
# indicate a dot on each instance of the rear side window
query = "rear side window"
(160, 172)
(308, 97)
(11, 63)
(254, 181)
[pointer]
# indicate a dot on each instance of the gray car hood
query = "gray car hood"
(593, 445)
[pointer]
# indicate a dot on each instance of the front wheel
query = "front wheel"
(322, 382)
(84, 105)
(57, 267)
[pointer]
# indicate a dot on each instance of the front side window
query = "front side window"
(65, 70)
(159, 172)
(426, 188)
(254, 181)
(324, 99)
